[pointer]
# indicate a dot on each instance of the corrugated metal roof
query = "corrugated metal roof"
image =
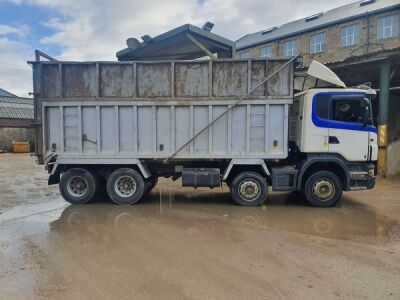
(333, 16)
(16, 108)
(4, 93)
(175, 45)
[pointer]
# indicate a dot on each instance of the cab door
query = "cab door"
(348, 135)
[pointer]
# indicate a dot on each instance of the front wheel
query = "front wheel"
(125, 186)
(249, 189)
(323, 189)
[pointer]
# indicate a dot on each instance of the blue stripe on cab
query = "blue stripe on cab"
(325, 123)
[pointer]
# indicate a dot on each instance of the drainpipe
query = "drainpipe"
(366, 50)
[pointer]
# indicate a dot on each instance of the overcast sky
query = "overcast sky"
(96, 29)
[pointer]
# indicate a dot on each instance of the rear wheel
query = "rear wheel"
(249, 189)
(323, 189)
(125, 186)
(78, 186)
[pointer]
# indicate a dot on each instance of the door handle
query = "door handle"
(333, 140)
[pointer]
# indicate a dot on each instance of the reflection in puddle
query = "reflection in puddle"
(178, 238)
(202, 210)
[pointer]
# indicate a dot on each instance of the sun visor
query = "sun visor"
(321, 72)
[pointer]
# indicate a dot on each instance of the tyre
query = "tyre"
(125, 186)
(323, 189)
(249, 189)
(78, 186)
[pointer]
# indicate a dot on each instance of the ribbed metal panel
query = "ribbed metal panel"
(16, 108)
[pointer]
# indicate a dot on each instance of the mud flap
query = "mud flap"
(54, 178)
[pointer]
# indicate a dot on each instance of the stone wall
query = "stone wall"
(393, 149)
(9, 134)
(393, 159)
(394, 119)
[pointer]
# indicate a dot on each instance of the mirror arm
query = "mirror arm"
(366, 116)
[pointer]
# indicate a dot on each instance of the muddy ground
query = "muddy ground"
(181, 243)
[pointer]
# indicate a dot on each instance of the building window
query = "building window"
(266, 51)
(290, 48)
(244, 54)
(388, 26)
(317, 43)
(350, 35)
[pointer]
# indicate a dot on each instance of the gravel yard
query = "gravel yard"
(186, 243)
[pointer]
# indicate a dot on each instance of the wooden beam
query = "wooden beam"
(199, 45)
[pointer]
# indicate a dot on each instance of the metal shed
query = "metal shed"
(182, 43)
(15, 108)
(4, 93)
(16, 119)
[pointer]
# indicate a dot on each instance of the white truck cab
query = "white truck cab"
(332, 140)
(336, 121)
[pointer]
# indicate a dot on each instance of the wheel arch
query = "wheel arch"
(237, 166)
(103, 170)
(333, 164)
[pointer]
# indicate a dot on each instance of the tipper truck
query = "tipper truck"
(236, 121)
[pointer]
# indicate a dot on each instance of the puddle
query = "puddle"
(210, 209)
(178, 237)
(202, 210)
(185, 243)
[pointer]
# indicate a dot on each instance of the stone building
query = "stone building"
(356, 29)
(361, 43)
(16, 119)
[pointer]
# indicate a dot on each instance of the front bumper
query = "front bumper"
(362, 177)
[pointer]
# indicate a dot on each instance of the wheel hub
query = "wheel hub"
(77, 186)
(125, 186)
(249, 190)
(324, 189)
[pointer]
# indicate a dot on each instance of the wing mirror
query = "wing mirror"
(365, 105)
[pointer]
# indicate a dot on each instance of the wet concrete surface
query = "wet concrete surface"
(181, 243)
